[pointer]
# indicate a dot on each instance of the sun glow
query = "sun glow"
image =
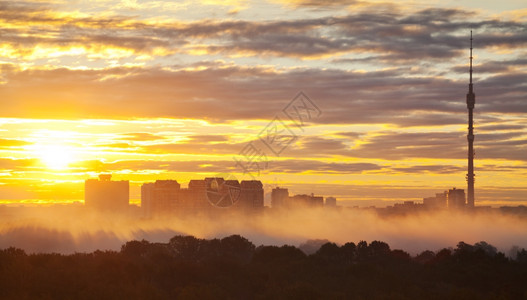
(56, 157)
(55, 149)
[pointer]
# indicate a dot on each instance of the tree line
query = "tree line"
(234, 268)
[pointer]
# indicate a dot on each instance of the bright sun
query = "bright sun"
(56, 156)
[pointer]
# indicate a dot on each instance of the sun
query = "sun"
(56, 157)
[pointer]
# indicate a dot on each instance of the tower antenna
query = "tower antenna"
(471, 100)
(471, 58)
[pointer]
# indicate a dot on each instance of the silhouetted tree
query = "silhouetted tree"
(379, 249)
(443, 255)
(425, 257)
(135, 248)
(400, 255)
(278, 255)
(232, 268)
(15, 270)
(363, 252)
(480, 251)
(210, 250)
(237, 248)
(349, 251)
(521, 256)
(185, 247)
(487, 248)
(330, 253)
(462, 248)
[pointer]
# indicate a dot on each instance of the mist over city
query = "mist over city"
(61, 231)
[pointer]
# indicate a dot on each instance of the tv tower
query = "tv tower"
(471, 100)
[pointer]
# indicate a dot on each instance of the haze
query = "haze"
(42, 230)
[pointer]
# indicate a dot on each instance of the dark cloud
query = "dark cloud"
(219, 92)
(349, 134)
(502, 168)
(169, 166)
(395, 35)
(495, 137)
(502, 93)
(429, 119)
(493, 66)
(504, 150)
(229, 166)
(505, 127)
(434, 169)
(440, 145)
(208, 138)
(428, 34)
(241, 93)
(234, 93)
(194, 147)
(322, 144)
(318, 167)
(323, 4)
(11, 8)
(407, 145)
(381, 145)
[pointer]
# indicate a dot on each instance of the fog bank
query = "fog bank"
(76, 230)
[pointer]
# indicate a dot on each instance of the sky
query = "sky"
(360, 100)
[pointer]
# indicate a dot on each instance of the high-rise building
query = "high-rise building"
(251, 195)
(161, 198)
(215, 193)
(456, 198)
(245, 196)
(222, 193)
(307, 200)
(210, 195)
(437, 202)
(279, 197)
(198, 195)
(331, 201)
(147, 199)
(103, 194)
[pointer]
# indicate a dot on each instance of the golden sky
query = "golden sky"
(152, 90)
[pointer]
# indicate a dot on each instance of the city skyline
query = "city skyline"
(157, 90)
(215, 195)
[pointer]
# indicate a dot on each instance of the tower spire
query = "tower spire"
(471, 100)
(471, 59)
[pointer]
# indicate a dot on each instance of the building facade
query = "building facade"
(251, 195)
(106, 195)
(437, 202)
(160, 198)
(331, 202)
(207, 196)
(456, 198)
(279, 197)
(306, 201)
